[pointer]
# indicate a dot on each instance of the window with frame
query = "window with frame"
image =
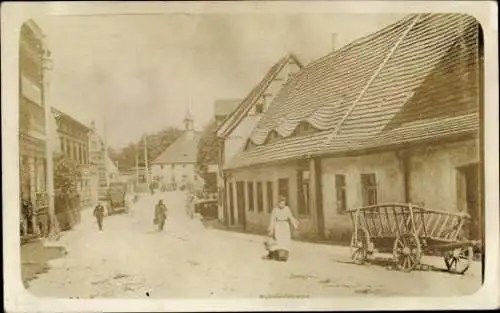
(369, 189)
(341, 194)
(250, 196)
(303, 192)
(259, 108)
(260, 197)
(270, 196)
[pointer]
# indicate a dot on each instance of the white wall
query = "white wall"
(433, 178)
(177, 172)
(389, 176)
(237, 139)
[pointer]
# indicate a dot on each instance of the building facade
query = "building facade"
(73, 140)
(391, 118)
(235, 129)
(102, 169)
(32, 134)
(177, 164)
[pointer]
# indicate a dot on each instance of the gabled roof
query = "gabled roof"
(412, 81)
(232, 120)
(59, 114)
(224, 107)
(183, 150)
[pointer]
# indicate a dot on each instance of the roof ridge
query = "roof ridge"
(361, 40)
(368, 84)
(255, 92)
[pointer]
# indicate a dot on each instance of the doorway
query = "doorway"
(469, 197)
(240, 199)
(231, 204)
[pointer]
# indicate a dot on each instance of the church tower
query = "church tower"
(188, 121)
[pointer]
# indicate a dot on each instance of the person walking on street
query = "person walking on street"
(280, 231)
(160, 215)
(99, 214)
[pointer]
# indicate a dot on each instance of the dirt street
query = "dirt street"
(130, 259)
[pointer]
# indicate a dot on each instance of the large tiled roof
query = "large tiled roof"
(411, 81)
(183, 150)
(232, 120)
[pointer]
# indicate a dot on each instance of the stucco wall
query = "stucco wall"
(236, 140)
(389, 178)
(433, 178)
(433, 174)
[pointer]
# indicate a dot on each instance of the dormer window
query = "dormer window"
(249, 144)
(259, 108)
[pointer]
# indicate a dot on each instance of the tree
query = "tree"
(157, 143)
(67, 175)
(208, 151)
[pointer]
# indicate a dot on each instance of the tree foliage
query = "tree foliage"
(67, 175)
(208, 149)
(156, 144)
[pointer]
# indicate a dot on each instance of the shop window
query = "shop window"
(250, 196)
(303, 192)
(260, 197)
(270, 196)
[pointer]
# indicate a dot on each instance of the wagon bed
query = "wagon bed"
(409, 231)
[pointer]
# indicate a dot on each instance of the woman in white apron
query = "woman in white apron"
(280, 231)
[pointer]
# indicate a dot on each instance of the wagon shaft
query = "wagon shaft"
(456, 245)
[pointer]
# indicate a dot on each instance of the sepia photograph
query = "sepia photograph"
(221, 151)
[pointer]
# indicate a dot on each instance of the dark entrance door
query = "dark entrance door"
(231, 204)
(472, 198)
(240, 198)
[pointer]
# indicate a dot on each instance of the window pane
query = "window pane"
(270, 197)
(369, 189)
(260, 197)
(250, 196)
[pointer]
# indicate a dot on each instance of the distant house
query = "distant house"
(177, 164)
(392, 117)
(236, 127)
(223, 108)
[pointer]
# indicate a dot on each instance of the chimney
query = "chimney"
(334, 41)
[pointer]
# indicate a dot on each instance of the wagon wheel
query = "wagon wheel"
(407, 251)
(459, 260)
(359, 247)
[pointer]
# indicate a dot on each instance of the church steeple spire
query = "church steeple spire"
(188, 120)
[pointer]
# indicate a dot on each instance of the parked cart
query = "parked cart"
(409, 232)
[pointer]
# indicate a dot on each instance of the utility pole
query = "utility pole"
(137, 166)
(106, 156)
(46, 64)
(146, 157)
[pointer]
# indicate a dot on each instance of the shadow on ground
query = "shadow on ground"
(35, 258)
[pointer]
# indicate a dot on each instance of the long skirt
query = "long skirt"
(282, 235)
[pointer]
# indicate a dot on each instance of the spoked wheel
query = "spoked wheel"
(407, 251)
(459, 260)
(359, 246)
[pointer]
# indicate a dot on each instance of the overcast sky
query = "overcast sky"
(140, 72)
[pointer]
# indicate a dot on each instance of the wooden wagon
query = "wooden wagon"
(409, 231)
